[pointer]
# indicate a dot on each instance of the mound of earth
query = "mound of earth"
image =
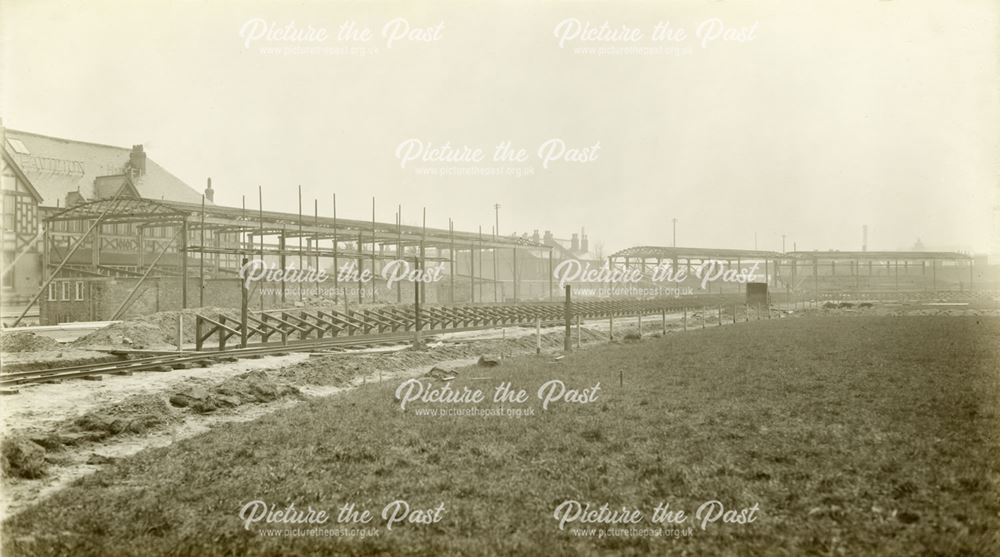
(25, 341)
(127, 334)
(22, 458)
(135, 414)
(256, 386)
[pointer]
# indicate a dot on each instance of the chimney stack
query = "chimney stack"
(535, 237)
(574, 245)
(864, 238)
(209, 192)
(547, 239)
(137, 160)
(584, 242)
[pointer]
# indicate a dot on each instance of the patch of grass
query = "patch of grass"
(856, 435)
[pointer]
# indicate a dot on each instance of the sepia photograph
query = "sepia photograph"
(499, 278)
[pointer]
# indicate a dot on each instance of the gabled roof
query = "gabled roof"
(106, 187)
(58, 166)
(10, 163)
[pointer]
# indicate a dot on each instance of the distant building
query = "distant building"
(42, 175)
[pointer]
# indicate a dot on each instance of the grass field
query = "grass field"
(859, 435)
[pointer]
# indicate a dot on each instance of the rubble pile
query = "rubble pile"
(22, 458)
(256, 386)
(128, 334)
(25, 342)
(136, 414)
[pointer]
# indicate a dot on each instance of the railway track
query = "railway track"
(205, 357)
(168, 361)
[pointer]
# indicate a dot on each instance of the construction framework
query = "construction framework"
(825, 272)
(219, 240)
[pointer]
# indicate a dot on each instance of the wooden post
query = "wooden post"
(260, 224)
(568, 315)
(180, 332)
(611, 326)
(704, 316)
(361, 266)
(243, 313)
(685, 319)
(423, 245)
(282, 259)
(184, 263)
(663, 321)
(201, 259)
(417, 343)
(538, 335)
(198, 344)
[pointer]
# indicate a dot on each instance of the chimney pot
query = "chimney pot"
(209, 192)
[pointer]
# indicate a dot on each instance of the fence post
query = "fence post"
(734, 313)
(663, 320)
(611, 325)
(538, 335)
(222, 334)
(578, 333)
(685, 319)
(180, 332)
(704, 316)
(416, 309)
(244, 300)
(567, 314)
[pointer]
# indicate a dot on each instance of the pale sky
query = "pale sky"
(827, 116)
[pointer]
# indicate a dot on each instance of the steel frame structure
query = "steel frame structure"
(263, 234)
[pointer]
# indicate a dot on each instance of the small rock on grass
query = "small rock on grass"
(489, 360)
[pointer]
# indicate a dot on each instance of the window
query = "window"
(52, 291)
(18, 146)
(65, 291)
(79, 291)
